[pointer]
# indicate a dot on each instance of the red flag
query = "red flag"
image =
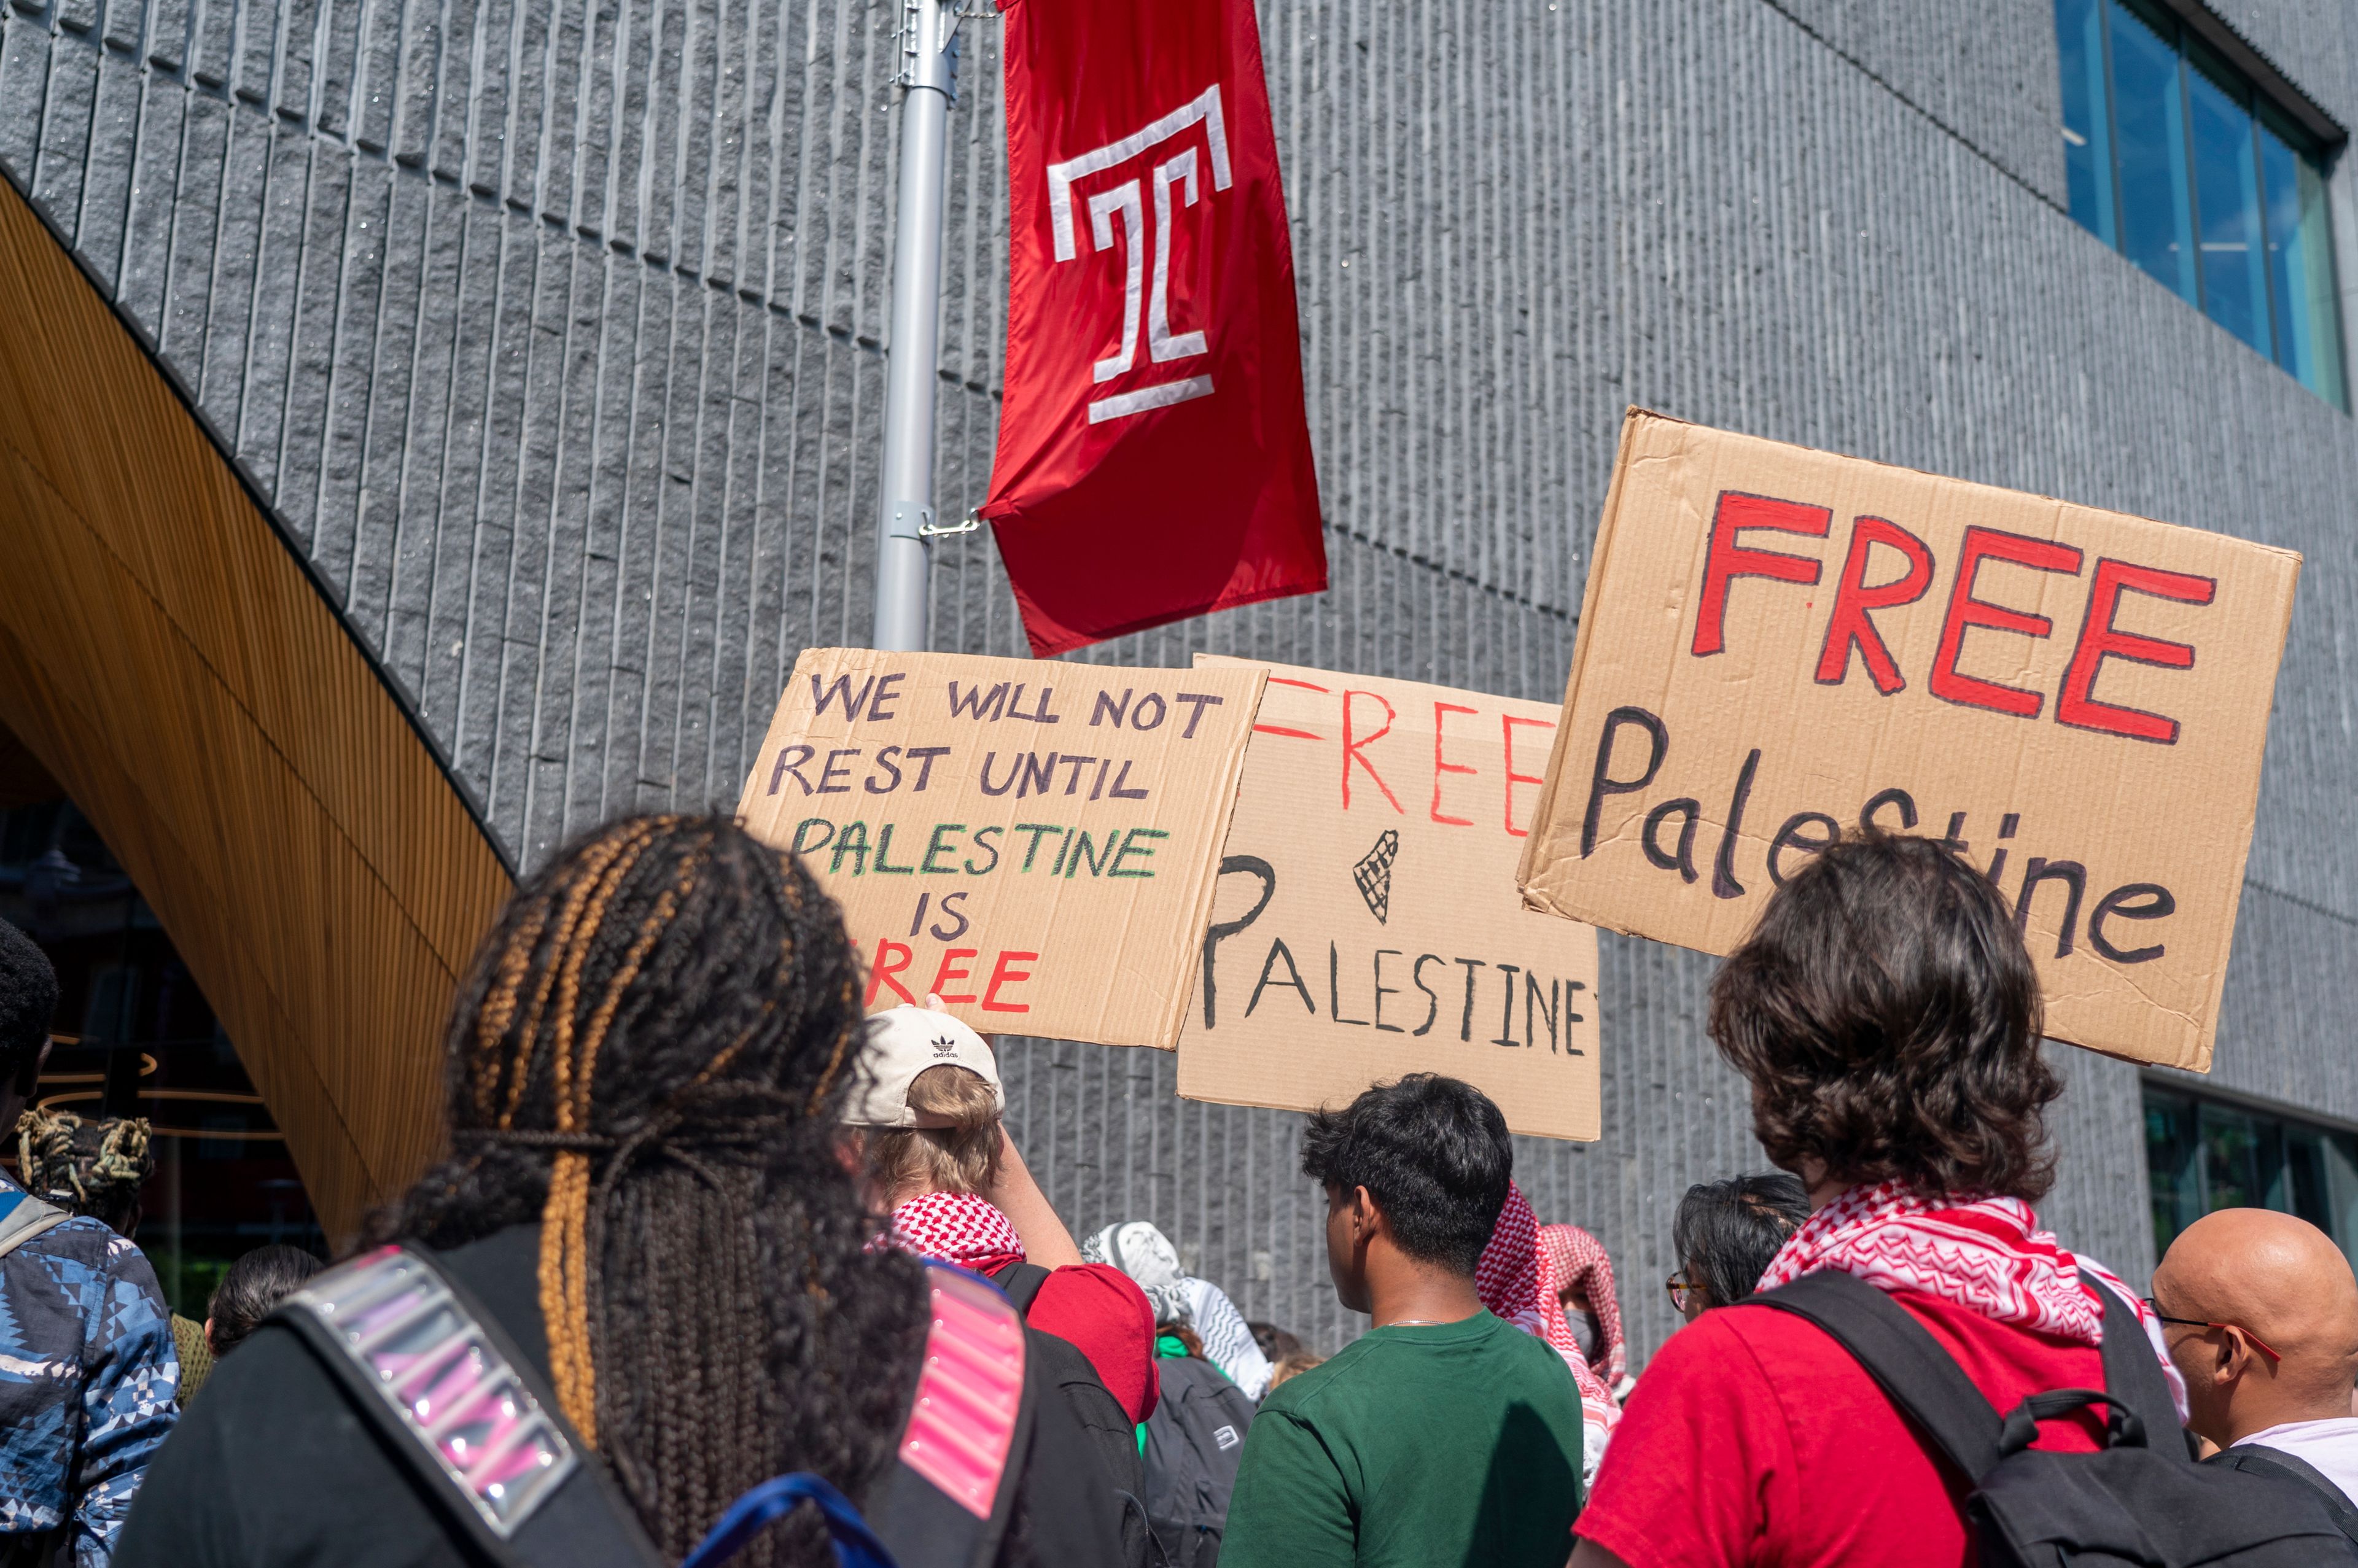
(1154, 459)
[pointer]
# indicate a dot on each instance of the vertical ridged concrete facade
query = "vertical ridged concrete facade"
(552, 333)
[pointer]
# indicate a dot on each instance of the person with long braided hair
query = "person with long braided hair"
(647, 1070)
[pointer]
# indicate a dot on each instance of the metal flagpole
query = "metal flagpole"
(906, 522)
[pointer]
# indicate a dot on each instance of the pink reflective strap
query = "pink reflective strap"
(447, 1384)
(962, 1424)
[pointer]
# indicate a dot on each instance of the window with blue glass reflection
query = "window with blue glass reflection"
(2202, 1156)
(2175, 160)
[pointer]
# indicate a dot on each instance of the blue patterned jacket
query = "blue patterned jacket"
(88, 1380)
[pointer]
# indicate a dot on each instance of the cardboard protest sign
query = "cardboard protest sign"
(1366, 922)
(1034, 843)
(1778, 644)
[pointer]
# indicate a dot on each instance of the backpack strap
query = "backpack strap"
(2259, 1459)
(1905, 1361)
(1022, 1283)
(952, 1487)
(2133, 1376)
(22, 1217)
(856, 1545)
(440, 1382)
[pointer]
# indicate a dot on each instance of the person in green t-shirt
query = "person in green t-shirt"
(1444, 1435)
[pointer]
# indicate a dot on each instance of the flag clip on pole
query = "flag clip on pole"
(929, 78)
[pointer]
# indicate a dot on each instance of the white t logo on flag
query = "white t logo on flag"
(1118, 214)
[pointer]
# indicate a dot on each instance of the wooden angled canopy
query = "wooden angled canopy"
(166, 657)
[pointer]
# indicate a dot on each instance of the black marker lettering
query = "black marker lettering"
(1432, 997)
(924, 756)
(1601, 781)
(1723, 870)
(979, 835)
(1382, 991)
(1277, 950)
(1506, 1018)
(1202, 699)
(1650, 840)
(934, 846)
(1898, 797)
(1035, 830)
(790, 764)
(1466, 1025)
(2157, 903)
(884, 848)
(1220, 931)
(2074, 878)
(1792, 837)
(953, 905)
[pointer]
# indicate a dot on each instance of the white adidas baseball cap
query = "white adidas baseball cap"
(901, 1042)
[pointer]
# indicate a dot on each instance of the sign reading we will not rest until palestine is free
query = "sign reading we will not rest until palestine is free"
(1033, 843)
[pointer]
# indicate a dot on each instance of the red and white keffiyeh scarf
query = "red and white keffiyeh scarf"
(1988, 1256)
(1579, 1259)
(1517, 1280)
(956, 1228)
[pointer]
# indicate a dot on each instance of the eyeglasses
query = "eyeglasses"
(2155, 1307)
(1680, 1288)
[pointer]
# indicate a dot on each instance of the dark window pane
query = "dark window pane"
(2202, 1157)
(2305, 1179)
(2150, 120)
(2300, 267)
(2087, 131)
(2231, 1160)
(2339, 1158)
(2172, 1166)
(2227, 204)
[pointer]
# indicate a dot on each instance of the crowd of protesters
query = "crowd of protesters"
(705, 1248)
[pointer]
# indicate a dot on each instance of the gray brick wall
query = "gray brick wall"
(553, 330)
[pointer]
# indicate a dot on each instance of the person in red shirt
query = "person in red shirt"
(1888, 1017)
(939, 1160)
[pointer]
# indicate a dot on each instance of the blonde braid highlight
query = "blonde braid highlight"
(564, 1274)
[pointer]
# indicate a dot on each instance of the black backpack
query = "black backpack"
(430, 1369)
(1108, 1427)
(2260, 1459)
(2141, 1502)
(1194, 1439)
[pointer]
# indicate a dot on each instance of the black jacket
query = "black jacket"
(271, 1466)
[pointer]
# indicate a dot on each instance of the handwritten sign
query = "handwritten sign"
(1366, 922)
(1779, 645)
(1033, 843)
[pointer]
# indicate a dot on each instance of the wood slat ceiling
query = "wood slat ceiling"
(166, 659)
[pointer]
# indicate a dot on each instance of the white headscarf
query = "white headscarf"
(1146, 1255)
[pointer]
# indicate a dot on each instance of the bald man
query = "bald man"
(2260, 1312)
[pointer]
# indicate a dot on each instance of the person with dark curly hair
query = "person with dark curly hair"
(648, 1064)
(1888, 1017)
